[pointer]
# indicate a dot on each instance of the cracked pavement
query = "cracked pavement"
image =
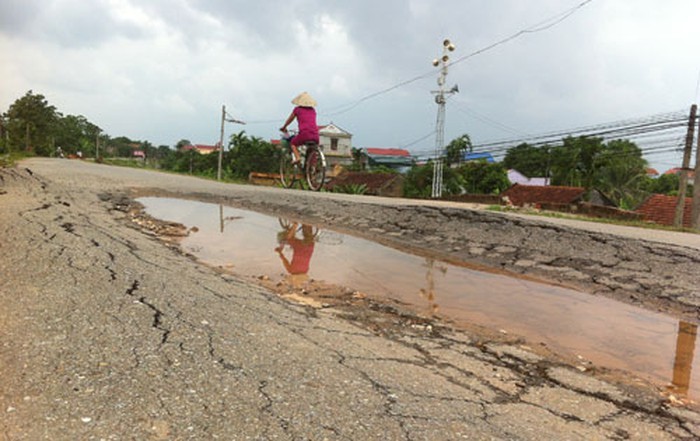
(109, 333)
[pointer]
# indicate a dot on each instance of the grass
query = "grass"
(137, 163)
(622, 222)
(9, 159)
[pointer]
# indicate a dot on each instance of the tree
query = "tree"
(75, 133)
(621, 173)
(246, 155)
(122, 146)
(575, 163)
(529, 160)
(456, 149)
(665, 184)
(182, 143)
(419, 181)
(4, 135)
(358, 160)
(31, 124)
(481, 177)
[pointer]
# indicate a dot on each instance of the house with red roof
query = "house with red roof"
(535, 195)
(652, 172)
(661, 209)
(677, 171)
(202, 148)
(394, 158)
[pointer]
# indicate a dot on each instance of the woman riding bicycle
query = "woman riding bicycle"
(305, 114)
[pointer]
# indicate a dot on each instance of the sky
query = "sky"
(160, 70)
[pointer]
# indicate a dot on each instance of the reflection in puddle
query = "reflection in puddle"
(603, 331)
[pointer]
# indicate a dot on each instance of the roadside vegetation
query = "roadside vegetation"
(31, 126)
(602, 220)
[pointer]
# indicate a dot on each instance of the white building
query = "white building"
(515, 177)
(336, 144)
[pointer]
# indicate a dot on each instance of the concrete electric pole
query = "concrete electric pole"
(221, 137)
(440, 99)
(683, 186)
(695, 210)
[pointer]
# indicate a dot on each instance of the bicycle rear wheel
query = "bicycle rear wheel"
(288, 170)
(315, 169)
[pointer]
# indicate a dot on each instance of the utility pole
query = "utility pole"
(221, 138)
(695, 211)
(221, 142)
(440, 99)
(97, 146)
(683, 186)
(26, 138)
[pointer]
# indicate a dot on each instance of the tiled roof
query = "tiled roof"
(531, 194)
(677, 171)
(201, 147)
(661, 209)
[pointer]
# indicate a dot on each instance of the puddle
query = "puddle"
(600, 330)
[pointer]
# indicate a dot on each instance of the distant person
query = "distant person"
(305, 114)
(302, 248)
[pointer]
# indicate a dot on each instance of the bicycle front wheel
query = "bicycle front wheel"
(288, 170)
(315, 169)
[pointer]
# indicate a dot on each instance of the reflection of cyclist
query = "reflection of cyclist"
(302, 248)
(305, 115)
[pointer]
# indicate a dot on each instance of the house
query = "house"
(522, 195)
(201, 148)
(652, 172)
(377, 184)
(336, 144)
(479, 156)
(677, 171)
(515, 177)
(661, 209)
(397, 159)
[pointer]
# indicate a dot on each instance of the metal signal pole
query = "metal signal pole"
(221, 138)
(440, 99)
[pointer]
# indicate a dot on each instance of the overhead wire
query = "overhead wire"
(653, 135)
(541, 26)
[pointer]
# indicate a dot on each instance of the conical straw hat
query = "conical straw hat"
(304, 100)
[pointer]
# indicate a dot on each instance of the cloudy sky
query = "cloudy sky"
(160, 70)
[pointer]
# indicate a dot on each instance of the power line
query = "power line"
(488, 121)
(542, 26)
(539, 27)
(653, 135)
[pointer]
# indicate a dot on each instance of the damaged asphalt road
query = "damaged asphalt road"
(109, 333)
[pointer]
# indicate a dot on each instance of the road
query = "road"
(110, 333)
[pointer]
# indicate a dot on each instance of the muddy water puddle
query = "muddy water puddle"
(593, 329)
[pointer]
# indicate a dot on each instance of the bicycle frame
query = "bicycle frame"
(313, 168)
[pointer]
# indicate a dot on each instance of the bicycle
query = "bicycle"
(313, 168)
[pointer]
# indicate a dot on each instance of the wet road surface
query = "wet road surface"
(593, 330)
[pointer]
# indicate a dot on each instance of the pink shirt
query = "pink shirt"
(306, 118)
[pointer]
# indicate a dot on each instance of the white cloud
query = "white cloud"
(160, 70)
